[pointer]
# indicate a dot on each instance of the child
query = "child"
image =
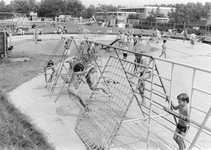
(192, 39)
(164, 49)
(91, 79)
(143, 77)
(67, 46)
(125, 52)
(184, 33)
(138, 44)
(50, 66)
(72, 89)
(182, 126)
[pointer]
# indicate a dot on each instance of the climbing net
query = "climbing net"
(99, 128)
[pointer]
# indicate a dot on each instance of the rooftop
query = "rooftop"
(138, 7)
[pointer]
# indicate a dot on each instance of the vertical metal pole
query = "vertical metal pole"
(55, 50)
(78, 51)
(156, 68)
(171, 85)
(150, 109)
(5, 44)
(191, 94)
(200, 129)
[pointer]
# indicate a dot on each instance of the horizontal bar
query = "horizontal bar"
(152, 147)
(171, 130)
(160, 138)
(137, 120)
(199, 109)
(157, 85)
(160, 96)
(182, 64)
(199, 125)
(121, 49)
(201, 91)
(162, 77)
(160, 92)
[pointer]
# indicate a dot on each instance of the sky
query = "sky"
(129, 3)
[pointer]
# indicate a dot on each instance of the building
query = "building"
(116, 17)
(33, 16)
(144, 11)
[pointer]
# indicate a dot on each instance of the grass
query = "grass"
(16, 131)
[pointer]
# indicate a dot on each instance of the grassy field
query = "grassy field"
(71, 28)
(16, 131)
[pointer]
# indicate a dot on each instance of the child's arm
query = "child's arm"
(174, 107)
(82, 72)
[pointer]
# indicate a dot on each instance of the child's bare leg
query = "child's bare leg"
(179, 140)
(82, 102)
(161, 54)
(175, 137)
(141, 91)
(165, 55)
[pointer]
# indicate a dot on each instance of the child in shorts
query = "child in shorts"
(125, 52)
(184, 122)
(72, 89)
(163, 49)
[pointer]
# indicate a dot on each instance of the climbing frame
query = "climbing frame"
(107, 113)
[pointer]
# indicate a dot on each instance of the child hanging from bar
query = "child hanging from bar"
(67, 46)
(74, 83)
(91, 79)
(182, 126)
(144, 74)
(50, 66)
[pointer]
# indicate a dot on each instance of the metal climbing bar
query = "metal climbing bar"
(112, 117)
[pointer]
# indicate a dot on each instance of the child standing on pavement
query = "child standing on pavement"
(184, 121)
(163, 49)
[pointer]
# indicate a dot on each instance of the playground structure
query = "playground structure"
(122, 121)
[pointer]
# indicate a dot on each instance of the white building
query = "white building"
(144, 11)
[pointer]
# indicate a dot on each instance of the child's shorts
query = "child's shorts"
(183, 128)
(125, 54)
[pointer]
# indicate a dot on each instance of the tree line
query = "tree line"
(51, 8)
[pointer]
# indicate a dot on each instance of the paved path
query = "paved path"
(57, 120)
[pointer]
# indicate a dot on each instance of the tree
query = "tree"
(21, 7)
(151, 18)
(51, 8)
(155, 14)
(158, 13)
(133, 16)
(106, 8)
(2, 4)
(89, 12)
